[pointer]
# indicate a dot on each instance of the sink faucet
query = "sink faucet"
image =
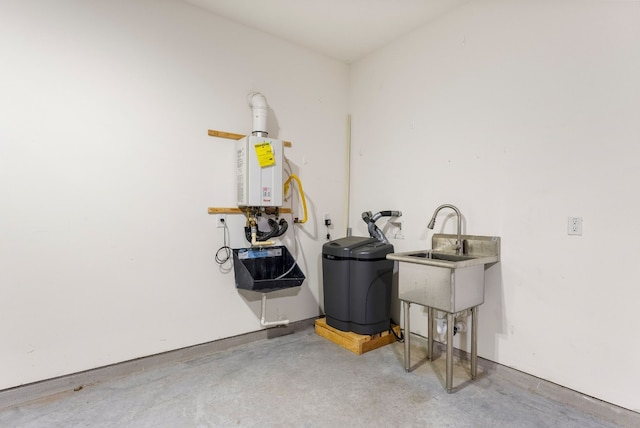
(432, 223)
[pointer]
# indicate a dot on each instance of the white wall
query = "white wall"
(521, 113)
(106, 174)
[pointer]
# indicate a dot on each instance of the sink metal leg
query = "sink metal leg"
(430, 315)
(474, 342)
(450, 325)
(407, 335)
(431, 312)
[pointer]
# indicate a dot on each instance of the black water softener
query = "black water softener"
(357, 279)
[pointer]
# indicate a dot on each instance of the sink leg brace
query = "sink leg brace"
(430, 354)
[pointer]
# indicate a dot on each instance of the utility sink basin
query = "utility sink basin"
(441, 279)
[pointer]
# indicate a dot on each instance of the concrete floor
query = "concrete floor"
(304, 380)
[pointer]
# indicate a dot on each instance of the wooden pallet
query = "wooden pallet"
(354, 342)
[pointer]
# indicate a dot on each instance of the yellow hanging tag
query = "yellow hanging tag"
(264, 151)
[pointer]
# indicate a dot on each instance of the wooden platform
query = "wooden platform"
(354, 342)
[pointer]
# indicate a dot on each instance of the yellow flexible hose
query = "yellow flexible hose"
(302, 197)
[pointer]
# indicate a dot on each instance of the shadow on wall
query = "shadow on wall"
(491, 315)
(273, 127)
(253, 299)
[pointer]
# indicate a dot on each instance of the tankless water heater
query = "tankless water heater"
(259, 174)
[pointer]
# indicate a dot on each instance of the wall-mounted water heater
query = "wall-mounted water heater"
(259, 174)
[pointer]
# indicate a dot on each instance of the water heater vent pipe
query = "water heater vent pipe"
(258, 104)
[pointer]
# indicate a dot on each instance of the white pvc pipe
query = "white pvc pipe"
(460, 324)
(258, 103)
(256, 243)
(263, 321)
(441, 326)
(347, 202)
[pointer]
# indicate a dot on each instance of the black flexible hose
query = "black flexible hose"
(277, 229)
(260, 236)
(398, 338)
(283, 226)
(274, 229)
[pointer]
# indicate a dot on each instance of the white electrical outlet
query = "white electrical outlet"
(574, 226)
(221, 220)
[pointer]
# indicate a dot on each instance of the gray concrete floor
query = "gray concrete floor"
(304, 380)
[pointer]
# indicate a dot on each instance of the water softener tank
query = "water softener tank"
(357, 281)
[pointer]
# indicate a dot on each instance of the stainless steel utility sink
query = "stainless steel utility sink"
(441, 279)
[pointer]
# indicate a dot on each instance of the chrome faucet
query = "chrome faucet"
(432, 223)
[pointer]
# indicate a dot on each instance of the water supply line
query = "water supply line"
(370, 219)
(260, 238)
(256, 243)
(302, 197)
(253, 227)
(263, 321)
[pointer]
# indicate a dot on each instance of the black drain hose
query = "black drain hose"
(398, 338)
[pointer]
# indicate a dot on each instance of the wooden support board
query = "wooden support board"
(213, 210)
(356, 343)
(232, 136)
(223, 134)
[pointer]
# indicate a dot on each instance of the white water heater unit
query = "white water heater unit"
(259, 174)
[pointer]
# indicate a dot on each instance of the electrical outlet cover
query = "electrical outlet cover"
(574, 226)
(221, 220)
